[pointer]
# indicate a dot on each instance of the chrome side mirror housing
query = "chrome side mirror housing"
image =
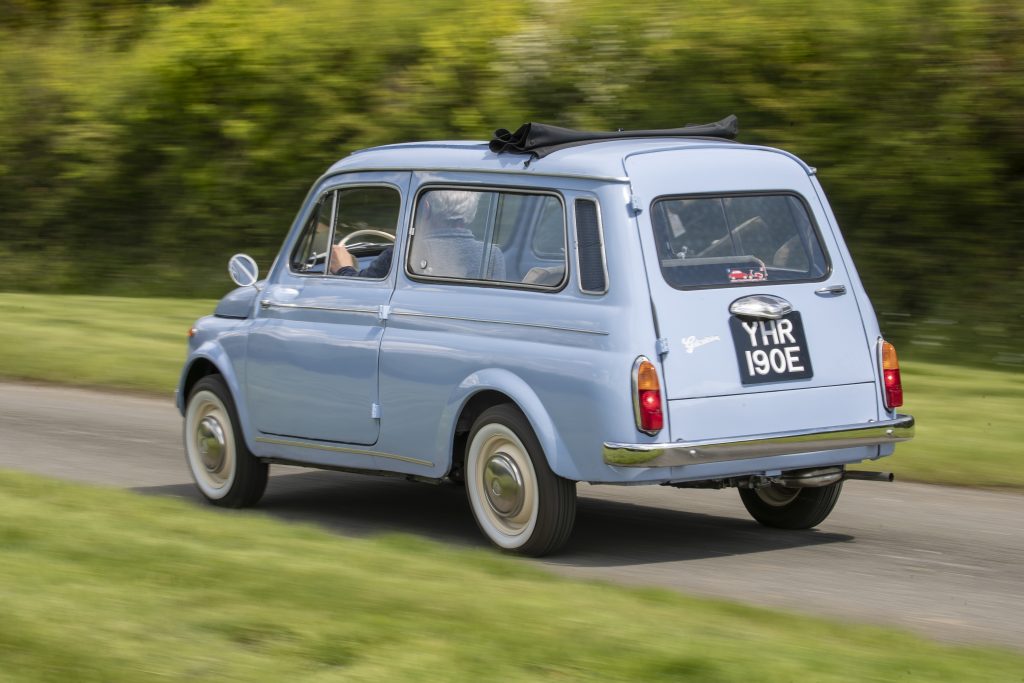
(243, 270)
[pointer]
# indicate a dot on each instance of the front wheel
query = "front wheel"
(225, 472)
(791, 508)
(518, 502)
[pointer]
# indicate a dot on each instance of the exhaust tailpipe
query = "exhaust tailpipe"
(869, 476)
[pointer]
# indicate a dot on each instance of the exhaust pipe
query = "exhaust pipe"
(869, 476)
(812, 478)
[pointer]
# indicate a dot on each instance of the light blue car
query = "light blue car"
(639, 307)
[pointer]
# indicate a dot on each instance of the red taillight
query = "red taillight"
(647, 397)
(892, 387)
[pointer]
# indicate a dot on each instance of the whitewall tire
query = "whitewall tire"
(224, 470)
(519, 504)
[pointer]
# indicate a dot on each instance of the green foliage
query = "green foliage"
(101, 585)
(143, 143)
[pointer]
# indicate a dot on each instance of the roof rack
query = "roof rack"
(540, 139)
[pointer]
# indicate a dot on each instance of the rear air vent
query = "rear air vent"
(590, 242)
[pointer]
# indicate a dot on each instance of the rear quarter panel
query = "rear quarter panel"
(563, 357)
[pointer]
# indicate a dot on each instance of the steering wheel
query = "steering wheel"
(366, 232)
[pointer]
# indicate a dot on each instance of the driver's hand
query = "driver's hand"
(341, 258)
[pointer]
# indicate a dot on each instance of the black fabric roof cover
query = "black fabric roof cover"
(540, 139)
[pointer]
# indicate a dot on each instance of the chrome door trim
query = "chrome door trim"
(342, 449)
(268, 303)
(416, 314)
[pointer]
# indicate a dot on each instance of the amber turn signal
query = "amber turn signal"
(892, 386)
(647, 397)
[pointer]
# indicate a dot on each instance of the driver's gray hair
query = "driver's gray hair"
(454, 205)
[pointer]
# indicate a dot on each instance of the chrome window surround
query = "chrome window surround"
(334, 220)
(604, 256)
(636, 394)
(504, 284)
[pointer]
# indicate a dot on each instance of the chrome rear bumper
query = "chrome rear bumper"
(759, 445)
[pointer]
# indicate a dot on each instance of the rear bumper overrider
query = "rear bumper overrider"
(760, 445)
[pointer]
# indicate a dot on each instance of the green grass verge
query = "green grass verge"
(970, 426)
(99, 341)
(969, 419)
(101, 585)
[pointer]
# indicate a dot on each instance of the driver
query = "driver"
(344, 264)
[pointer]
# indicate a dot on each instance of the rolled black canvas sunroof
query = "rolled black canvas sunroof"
(541, 139)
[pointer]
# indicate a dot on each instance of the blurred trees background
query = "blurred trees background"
(142, 143)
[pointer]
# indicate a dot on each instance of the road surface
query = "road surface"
(945, 562)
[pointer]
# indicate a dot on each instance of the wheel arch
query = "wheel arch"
(487, 388)
(211, 359)
(196, 370)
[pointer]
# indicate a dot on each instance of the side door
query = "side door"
(313, 350)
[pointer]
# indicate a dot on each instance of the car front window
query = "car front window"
(310, 253)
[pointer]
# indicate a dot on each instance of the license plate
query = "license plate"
(771, 350)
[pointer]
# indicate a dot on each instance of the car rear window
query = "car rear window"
(734, 240)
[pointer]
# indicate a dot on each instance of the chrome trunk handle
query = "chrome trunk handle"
(766, 306)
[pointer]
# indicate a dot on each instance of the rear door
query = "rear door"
(719, 225)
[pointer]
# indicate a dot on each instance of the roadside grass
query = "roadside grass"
(970, 421)
(970, 426)
(99, 341)
(100, 585)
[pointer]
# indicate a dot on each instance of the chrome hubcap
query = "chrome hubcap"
(777, 496)
(211, 443)
(503, 485)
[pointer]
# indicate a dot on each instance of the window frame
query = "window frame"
(815, 228)
(334, 223)
(489, 233)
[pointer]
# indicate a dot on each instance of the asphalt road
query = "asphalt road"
(944, 562)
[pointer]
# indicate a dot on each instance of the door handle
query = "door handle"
(833, 290)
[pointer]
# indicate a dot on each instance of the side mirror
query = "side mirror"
(243, 270)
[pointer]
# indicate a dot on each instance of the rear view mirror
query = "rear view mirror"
(243, 270)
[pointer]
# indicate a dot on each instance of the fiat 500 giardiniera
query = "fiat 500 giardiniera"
(552, 307)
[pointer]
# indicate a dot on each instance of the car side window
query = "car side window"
(489, 236)
(310, 254)
(365, 225)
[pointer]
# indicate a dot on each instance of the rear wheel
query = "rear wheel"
(224, 470)
(518, 502)
(791, 508)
